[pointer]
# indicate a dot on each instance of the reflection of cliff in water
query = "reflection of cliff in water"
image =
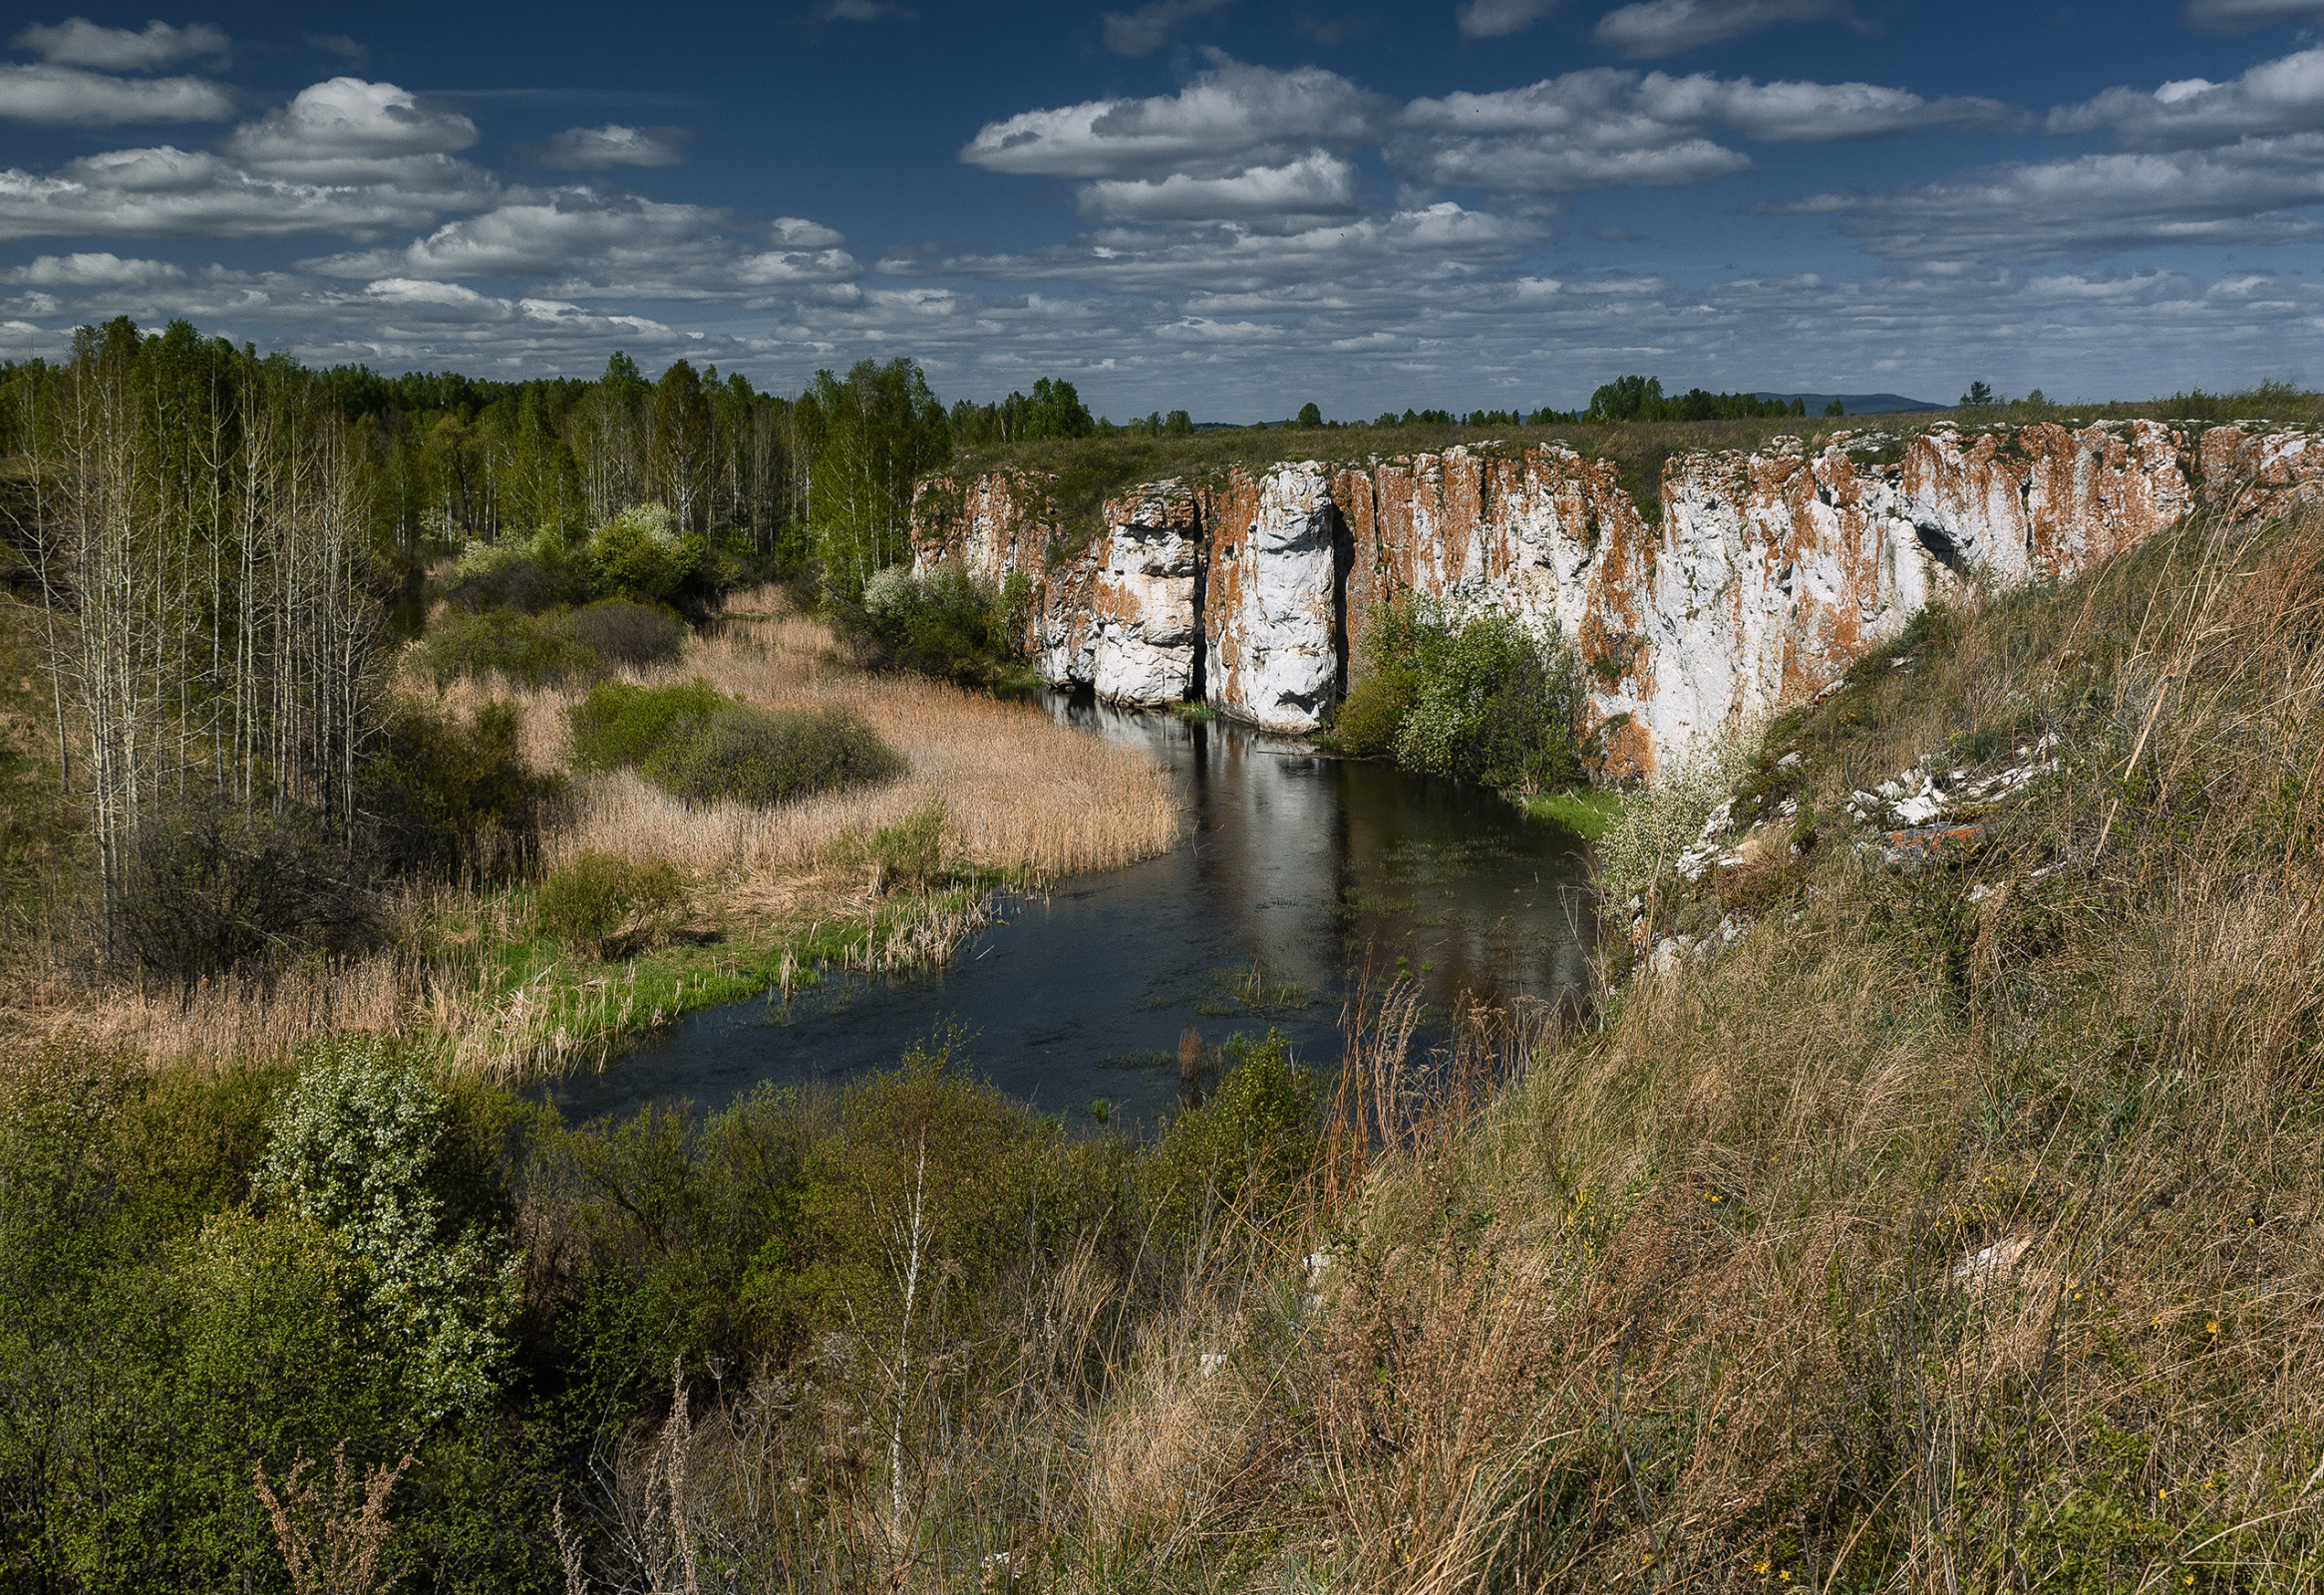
(1293, 872)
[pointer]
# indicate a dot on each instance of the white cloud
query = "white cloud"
(1316, 184)
(600, 149)
(77, 42)
(1495, 19)
(99, 271)
(347, 130)
(590, 245)
(66, 96)
(1668, 27)
(338, 44)
(1149, 28)
(2240, 16)
(2280, 96)
(164, 192)
(2094, 205)
(1607, 127)
(1228, 119)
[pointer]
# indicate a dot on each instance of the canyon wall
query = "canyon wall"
(1760, 578)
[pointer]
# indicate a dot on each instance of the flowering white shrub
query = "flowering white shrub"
(353, 1149)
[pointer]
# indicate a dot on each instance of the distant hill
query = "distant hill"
(1857, 404)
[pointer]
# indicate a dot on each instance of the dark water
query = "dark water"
(1292, 872)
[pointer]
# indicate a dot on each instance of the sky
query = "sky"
(1226, 206)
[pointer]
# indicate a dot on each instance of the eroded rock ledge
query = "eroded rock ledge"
(1763, 577)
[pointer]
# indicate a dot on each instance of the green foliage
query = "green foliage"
(946, 623)
(1641, 398)
(699, 745)
(585, 903)
(910, 855)
(1476, 698)
(533, 651)
(622, 724)
(1835, 408)
(1054, 409)
(450, 798)
(1247, 1147)
(873, 436)
(1310, 417)
(527, 574)
(642, 554)
(749, 754)
(355, 1151)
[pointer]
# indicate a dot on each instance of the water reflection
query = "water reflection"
(1292, 873)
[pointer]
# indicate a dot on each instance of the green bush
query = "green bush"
(529, 576)
(910, 855)
(1482, 698)
(354, 1150)
(1249, 1145)
(641, 554)
(771, 756)
(623, 632)
(946, 623)
(620, 723)
(586, 903)
(453, 798)
(533, 650)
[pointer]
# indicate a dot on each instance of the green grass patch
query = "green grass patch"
(1580, 810)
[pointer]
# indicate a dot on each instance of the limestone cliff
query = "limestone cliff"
(1762, 579)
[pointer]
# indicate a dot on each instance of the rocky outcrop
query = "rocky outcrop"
(1762, 576)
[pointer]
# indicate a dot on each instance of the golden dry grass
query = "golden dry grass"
(1023, 793)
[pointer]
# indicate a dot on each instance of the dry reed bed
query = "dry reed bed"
(1024, 793)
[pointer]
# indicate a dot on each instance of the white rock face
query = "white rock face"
(1270, 654)
(1145, 629)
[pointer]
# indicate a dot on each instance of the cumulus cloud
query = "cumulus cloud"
(164, 192)
(2240, 16)
(601, 149)
(1228, 119)
(2094, 205)
(99, 271)
(347, 130)
(77, 42)
(1317, 185)
(1606, 127)
(1495, 19)
(589, 245)
(57, 96)
(1149, 28)
(1669, 27)
(2281, 96)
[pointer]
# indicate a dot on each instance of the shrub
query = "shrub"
(910, 855)
(621, 632)
(354, 1149)
(210, 889)
(946, 623)
(1483, 699)
(527, 575)
(771, 755)
(1248, 1144)
(449, 797)
(534, 651)
(586, 903)
(619, 724)
(641, 554)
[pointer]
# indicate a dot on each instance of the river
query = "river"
(1293, 873)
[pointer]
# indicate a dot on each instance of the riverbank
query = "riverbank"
(769, 896)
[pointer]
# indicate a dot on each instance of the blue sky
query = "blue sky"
(1228, 206)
